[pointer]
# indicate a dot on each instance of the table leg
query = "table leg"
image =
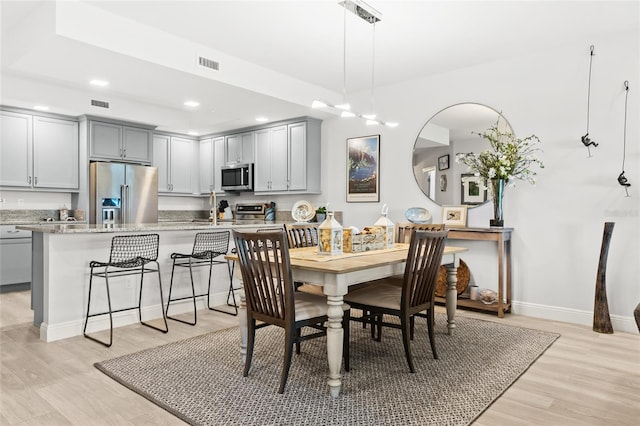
(242, 320)
(500, 277)
(334, 343)
(452, 294)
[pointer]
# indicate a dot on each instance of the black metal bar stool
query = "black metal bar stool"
(207, 246)
(129, 256)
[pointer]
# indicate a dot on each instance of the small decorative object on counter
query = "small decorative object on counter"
(388, 228)
(330, 236)
(64, 213)
(321, 214)
(488, 297)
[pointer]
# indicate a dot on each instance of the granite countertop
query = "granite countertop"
(75, 228)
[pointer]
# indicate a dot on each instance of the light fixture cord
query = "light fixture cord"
(344, 56)
(589, 87)
(373, 62)
(624, 137)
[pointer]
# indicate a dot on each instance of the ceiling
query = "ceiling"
(275, 56)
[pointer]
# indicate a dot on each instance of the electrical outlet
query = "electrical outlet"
(20, 202)
(2, 200)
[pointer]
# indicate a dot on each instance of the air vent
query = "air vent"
(208, 63)
(101, 104)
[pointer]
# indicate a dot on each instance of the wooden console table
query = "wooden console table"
(502, 237)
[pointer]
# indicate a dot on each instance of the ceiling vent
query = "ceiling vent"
(208, 63)
(101, 104)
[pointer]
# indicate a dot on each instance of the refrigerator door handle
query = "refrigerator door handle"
(123, 206)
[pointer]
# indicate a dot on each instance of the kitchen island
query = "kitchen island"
(60, 275)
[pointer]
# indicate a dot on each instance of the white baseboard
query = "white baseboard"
(52, 332)
(575, 316)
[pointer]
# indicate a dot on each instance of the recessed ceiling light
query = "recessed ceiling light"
(192, 133)
(192, 104)
(99, 83)
(262, 119)
(41, 108)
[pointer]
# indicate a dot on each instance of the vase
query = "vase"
(497, 189)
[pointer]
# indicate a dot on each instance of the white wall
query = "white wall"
(559, 222)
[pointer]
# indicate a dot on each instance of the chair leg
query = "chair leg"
(193, 293)
(297, 340)
(378, 321)
(432, 340)
(288, 352)
(251, 338)
(84, 332)
(406, 341)
(412, 321)
(346, 321)
(164, 315)
(230, 294)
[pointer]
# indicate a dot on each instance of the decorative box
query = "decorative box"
(371, 238)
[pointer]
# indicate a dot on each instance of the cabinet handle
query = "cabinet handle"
(15, 231)
(29, 180)
(124, 152)
(35, 180)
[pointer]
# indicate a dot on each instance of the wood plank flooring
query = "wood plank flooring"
(585, 378)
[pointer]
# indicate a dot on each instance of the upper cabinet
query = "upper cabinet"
(38, 152)
(239, 148)
(211, 158)
(288, 158)
(111, 141)
(173, 156)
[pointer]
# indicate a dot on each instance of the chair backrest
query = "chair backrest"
(211, 244)
(302, 235)
(129, 251)
(403, 230)
(421, 270)
(266, 275)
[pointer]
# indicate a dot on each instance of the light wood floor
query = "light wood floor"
(584, 378)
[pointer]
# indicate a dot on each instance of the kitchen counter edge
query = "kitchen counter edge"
(142, 227)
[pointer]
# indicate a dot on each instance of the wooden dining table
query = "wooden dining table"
(336, 273)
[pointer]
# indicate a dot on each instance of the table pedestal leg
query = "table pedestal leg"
(452, 294)
(242, 319)
(334, 343)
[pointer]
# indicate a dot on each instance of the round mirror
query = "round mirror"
(451, 131)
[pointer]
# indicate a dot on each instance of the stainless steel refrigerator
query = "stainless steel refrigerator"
(121, 194)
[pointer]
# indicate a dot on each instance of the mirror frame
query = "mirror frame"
(446, 181)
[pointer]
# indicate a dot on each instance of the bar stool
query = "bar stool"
(129, 256)
(206, 247)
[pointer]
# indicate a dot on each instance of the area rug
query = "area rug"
(200, 379)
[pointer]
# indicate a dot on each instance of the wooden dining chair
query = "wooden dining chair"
(416, 294)
(268, 285)
(302, 235)
(403, 230)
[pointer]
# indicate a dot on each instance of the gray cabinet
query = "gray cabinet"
(288, 158)
(211, 158)
(110, 141)
(39, 152)
(173, 157)
(239, 148)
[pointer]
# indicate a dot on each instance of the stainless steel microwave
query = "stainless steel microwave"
(237, 177)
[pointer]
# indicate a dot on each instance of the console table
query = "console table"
(502, 237)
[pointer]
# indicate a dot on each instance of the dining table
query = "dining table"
(336, 273)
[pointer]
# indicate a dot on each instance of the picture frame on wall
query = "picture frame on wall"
(472, 189)
(363, 169)
(454, 216)
(443, 162)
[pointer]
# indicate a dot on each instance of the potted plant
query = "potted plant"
(321, 214)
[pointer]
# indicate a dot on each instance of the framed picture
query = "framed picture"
(454, 215)
(363, 169)
(443, 162)
(473, 191)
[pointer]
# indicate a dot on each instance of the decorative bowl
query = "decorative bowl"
(418, 215)
(488, 297)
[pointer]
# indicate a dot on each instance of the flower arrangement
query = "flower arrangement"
(508, 158)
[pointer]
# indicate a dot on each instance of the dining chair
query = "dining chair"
(403, 230)
(304, 235)
(268, 285)
(416, 294)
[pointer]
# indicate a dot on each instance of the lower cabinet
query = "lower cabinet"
(173, 157)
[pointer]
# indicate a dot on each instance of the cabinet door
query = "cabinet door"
(298, 156)
(180, 165)
(161, 161)
(218, 162)
(247, 141)
(55, 153)
(232, 149)
(136, 145)
(262, 167)
(105, 141)
(279, 160)
(15, 149)
(206, 166)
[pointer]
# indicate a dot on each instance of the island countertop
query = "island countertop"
(67, 228)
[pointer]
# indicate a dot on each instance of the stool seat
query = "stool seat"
(207, 246)
(129, 255)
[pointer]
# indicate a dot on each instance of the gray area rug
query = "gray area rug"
(200, 379)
